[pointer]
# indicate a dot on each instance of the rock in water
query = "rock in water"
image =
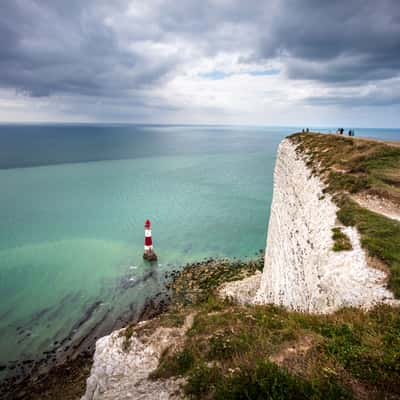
(150, 256)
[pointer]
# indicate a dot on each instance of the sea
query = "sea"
(73, 202)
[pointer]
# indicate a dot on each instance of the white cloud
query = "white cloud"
(155, 61)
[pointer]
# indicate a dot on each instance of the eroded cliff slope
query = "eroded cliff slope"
(301, 270)
(222, 349)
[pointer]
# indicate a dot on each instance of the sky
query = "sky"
(253, 62)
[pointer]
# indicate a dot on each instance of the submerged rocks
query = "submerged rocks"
(198, 280)
(150, 255)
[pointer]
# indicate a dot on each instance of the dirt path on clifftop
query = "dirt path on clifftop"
(393, 143)
(378, 205)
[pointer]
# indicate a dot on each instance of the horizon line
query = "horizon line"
(331, 126)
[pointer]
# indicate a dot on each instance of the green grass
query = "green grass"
(127, 335)
(341, 241)
(350, 183)
(264, 380)
(197, 281)
(380, 236)
(352, 165)
(349, 166)
(232, 351)
(228, 353)
(176, 365)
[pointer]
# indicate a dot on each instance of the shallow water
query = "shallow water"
(71, 234)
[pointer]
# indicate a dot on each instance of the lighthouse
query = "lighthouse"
(148, 254)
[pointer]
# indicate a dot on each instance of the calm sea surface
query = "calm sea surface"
(73, 201)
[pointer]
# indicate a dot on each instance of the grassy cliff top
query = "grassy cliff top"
(267, 352)
(353, 165)
(354, 168)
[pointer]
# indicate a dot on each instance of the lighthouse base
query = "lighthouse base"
(149, 255)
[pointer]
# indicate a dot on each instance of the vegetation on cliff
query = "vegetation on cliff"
(234, 351)
(253, 352)
(266, 352)
(350, 166)
(340, 240)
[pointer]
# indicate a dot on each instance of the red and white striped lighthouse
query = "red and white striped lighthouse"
(148, 243)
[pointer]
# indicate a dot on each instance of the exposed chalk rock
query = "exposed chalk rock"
(121, 372)
(301, 271)
(242, 291)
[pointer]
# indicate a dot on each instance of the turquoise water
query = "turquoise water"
(72, 207)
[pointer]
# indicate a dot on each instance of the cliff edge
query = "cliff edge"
(301, 270)
(305, 269)
(326, 253)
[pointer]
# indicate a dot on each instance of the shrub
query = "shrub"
(341, 240)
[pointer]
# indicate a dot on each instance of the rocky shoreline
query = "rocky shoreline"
(66, 375)
(194, 339)
(34, 378)
(207, 346)
(126, 361)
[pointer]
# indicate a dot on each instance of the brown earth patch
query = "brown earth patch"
(379, 205)
(376, 263)
(287, 355)
(360, 390)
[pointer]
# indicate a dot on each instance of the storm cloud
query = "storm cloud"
(157, 54)
(66, 47)
(340, 41)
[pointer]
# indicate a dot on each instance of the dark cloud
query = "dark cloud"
(354, 101)
(389, 95)
(66, 47)
(336, 41)
(103, 49)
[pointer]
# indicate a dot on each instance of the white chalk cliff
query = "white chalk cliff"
(121, 370)
(301, 271)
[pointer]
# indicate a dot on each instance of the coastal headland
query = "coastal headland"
(320, 321)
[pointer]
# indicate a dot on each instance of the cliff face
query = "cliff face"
(301, 270)
(122, 364)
